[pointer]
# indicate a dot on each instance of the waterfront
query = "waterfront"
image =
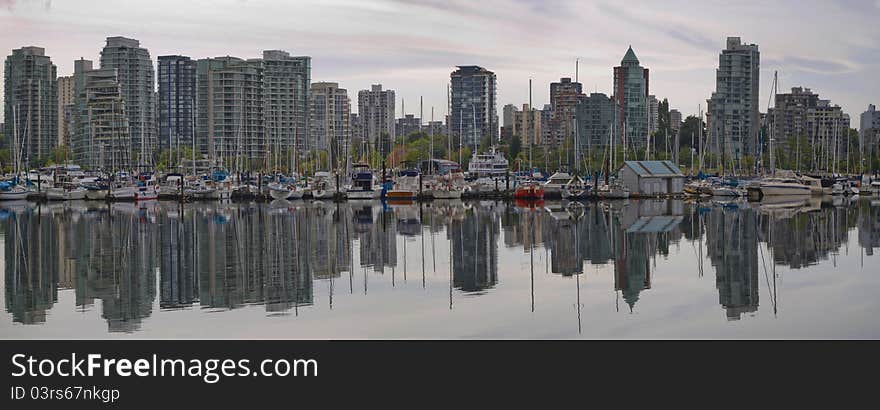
(477, 269)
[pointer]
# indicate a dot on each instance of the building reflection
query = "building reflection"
(474, 247)
(732, 247)
(130, 258)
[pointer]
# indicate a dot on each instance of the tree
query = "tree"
(690, 131)
(515, 147)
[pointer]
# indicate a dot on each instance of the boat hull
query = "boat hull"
(784, 189)
(447, 194)
(58, 194)
(96, 194)
(400, 194)
(364, 194)
(14, 195)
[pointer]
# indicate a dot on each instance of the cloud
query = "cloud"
(812, 65)
(672, 29)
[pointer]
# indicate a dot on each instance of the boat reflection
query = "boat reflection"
(134, 257)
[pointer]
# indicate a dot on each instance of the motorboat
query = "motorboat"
(97, 190)
(449, 185)
(362, 184)
(529, 190)
(815, 184)
(612, 190)
(66, 191)
(785, 186)
(874, 188)
(406, 187)
(727, 191)
(324, 185)
(285, 188)
(147, 187)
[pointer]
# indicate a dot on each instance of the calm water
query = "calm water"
(630, 269)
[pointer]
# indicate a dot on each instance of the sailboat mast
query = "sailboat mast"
(770, 129)
(532, 137)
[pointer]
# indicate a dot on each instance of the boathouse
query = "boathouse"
(651, 178)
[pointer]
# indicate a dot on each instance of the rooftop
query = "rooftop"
(654, 168)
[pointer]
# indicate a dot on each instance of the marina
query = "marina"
(635, 268)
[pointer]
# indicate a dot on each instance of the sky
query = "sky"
(411, 46)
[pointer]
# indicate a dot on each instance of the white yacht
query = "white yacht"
(492, 163)
(324, 185)
(363, 185)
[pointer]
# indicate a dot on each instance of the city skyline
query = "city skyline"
(518, 40)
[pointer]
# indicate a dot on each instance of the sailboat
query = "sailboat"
(323, 185)
(575, 189)
(65, 188)
(611, 189)
(12, 190)
(782, 183)
(529, 189)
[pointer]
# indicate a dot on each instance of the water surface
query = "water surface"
(481, 269)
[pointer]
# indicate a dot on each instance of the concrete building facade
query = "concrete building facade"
(528, 126)
(176, 101)
(230, 111)
(564, 96)
(869, 132)
(65, 110)
(376, 113)
(473, 106)
(330, 122)
(286, 87)
(631, 98)
(595, 122)
(733, 122)
(134, 70)
(107, 143)
(30, 108)
(801, 117)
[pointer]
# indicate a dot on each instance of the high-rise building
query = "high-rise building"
(595, 121)
(563, 102)
(801, 117)
(230, 112)
(507, 115)
(286, 88)
(869, 132)
(653, 114)
(105, 143)
(134, 70)
(407, 125)
(732, 112)
(81, 130)
(527, 126)
(631, 98)
(329, 110)
(376, 113)
(473, 106)
(65, 110)
(30, 108)
(176, 101)
(675, 120)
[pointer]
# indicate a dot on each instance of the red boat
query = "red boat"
(530, 191)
